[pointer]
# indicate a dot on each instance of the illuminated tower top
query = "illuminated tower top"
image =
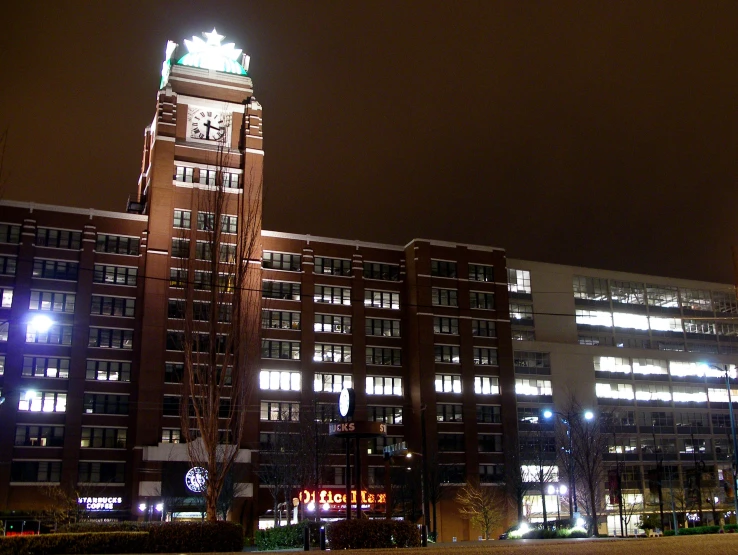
(206, 54)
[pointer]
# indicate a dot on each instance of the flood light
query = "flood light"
(41, 323)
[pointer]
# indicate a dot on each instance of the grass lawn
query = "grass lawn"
(710, 544)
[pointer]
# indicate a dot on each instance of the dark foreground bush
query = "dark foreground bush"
(91, 542)
(284, 537)
(165, 537)
(730, 528)
(196, 537)
(363, 534)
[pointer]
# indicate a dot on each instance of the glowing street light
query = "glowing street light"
(41, 323)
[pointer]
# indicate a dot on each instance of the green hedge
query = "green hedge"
(364, 534)
(54, 544)
(284, 537)
(132, 537)
(696, 530)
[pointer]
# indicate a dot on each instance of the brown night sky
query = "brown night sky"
(598, 134)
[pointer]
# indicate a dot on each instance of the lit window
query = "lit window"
(665, 324)
(612, 364)
(627, 292)
(631, 321)
(448, 383)
(278, 380)
(525, 386)
(42, 401)
(518, 281)
(381, 385)
(593, 318)
(332, 383)
(649, 366)
(332, 353)
(6, 298)
(590, 288)
(623, 391)
(531, 473)
(689, 394)
(332, 295)
(695, 299)
(652, 392)
(486, 385)
(663, 296)
(328, 323)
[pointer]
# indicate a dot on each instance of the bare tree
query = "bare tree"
(62, 505)
(219, 318)
(279, 466)
(589, 442)
(483, 506)
(516, 481)
(538, 453)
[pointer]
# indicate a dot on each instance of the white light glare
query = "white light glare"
(563, 489)
(589, 415)
(41, 323)
(142, 507)
(311, 506)
(326, 506)
(547, 414)
(523, 528)
(160, 507)
(30, 395)
(580, 522)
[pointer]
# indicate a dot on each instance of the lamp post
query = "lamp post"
(559, 490)
(566, 419)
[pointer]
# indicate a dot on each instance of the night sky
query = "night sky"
(599, 134)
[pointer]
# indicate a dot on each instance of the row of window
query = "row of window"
(656, 368)
(204, 250)
(662, 296)
(56, 401)
(374, 355)
(56, 367)
(50, 472)
(53, 436)
(205, 221)
(662, 392)
(228, 180)
(330, 266)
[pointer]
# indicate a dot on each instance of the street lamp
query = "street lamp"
(41, 323)
(565, 419)
(559, 491)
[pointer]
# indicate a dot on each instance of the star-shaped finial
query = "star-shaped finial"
(213, 38)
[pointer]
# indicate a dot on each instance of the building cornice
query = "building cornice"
(91, 212)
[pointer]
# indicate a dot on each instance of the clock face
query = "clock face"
(346, 402)
(196, 479)
(209, 125)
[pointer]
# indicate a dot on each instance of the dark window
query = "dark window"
(59, 238)
(55, 269)
(443, 268)
(376, 270)
(117, 244)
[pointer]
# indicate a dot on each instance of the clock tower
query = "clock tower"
(202, 167)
